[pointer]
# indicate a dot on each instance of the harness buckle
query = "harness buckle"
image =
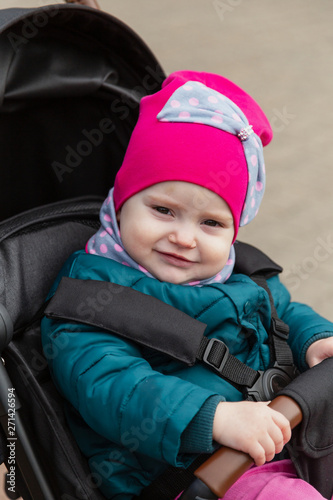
(270, 382)
(208, 351)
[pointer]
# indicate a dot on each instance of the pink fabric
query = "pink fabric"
(190, 152)
(272, 481)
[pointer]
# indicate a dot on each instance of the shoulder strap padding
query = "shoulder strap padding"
(130, 314)
(250, 260)
(147, 321)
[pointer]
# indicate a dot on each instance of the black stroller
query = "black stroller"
(70, 84)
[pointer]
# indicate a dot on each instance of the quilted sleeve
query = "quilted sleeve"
(117, 392)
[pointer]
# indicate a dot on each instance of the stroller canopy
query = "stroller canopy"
(70, 83)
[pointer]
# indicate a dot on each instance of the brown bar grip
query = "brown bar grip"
(226, 465)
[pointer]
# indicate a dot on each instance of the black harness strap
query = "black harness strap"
(252, 262)
(130, 314)
(215, 354)
(171, 331)
(101, 304)
(149, 322)
(279, 331)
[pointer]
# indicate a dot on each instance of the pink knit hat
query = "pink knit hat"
(200, 128)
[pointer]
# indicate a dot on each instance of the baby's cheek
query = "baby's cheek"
(220, 256)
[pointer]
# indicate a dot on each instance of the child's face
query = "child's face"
(178, 231)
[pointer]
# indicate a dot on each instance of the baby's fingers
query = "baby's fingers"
(271, 441)
(284, 425)
(263, 451)
(258, 453)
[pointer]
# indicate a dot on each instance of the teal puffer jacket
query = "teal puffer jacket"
(130, 407)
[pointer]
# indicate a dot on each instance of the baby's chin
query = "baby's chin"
(178, 275)
(176, 280)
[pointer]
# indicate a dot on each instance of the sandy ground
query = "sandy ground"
(281, 53)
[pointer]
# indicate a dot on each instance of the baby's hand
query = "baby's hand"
(251, 427)
(318, 351)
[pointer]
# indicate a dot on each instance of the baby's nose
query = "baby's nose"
(183, 238)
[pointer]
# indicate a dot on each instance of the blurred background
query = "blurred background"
(282, 54)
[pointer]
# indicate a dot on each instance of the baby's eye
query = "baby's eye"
(162, 210)
(212, 223)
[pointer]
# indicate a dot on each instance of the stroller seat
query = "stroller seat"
(33, 247)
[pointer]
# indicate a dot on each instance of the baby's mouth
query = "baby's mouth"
(176, 259)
